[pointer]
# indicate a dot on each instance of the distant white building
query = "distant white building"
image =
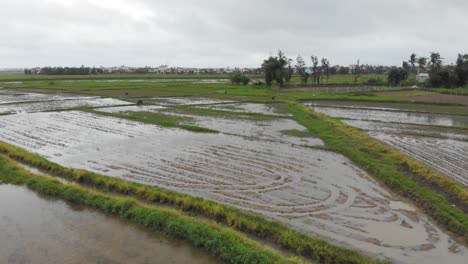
(422, 77)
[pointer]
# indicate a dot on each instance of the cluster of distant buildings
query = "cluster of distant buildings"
(163, 69)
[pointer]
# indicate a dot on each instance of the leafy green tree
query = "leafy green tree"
(357, 72)
(396, 76)
(343, 70)
(326, 67)
(315, 69)
(275, 69)
(240, 79)
(301, 68)
(461, 70)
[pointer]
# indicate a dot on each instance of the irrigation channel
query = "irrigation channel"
(251, 164)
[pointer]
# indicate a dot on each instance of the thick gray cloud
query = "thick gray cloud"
(209, 33)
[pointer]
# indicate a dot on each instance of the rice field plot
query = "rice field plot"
(433, 139)
(20, 102)
(318, 192)
(271, 129)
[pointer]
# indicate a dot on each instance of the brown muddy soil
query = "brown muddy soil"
(38, 230)
(438, 98)
(405, 92)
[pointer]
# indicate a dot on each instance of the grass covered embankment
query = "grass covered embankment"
(159, 119)
(277, 233)
(410, 178)
(228, 245)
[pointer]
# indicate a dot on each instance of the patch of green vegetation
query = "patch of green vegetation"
(225, 114)
(408, 177)
(228, 245)
(159, 119)
(291, 240)
(297, 133)
(343, 79)
(454, 91)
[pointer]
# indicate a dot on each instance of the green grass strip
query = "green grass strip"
(278, 233)
(392, 168)
(222, 242)
(225, 114)
(159, 119)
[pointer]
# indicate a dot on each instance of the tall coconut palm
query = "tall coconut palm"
(413, 59)
(435, 60)
(422, 61)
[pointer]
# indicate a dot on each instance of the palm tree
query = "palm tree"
(435, 60)
(413, 61)
(422, 61)
(406, 68)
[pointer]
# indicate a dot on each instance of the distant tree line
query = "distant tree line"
(66, 71)
(440, 75)
(279, 69)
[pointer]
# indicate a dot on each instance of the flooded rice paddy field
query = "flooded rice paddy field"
(20, 102)
(267, 109)
(443, 149)
(315, 191)
(386, 115)
(185, 101)
(270, 130)
(405, 107)
(60, 233)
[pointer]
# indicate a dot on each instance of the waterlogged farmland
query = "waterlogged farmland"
(251, 164)
(438, 140)
(64, 234)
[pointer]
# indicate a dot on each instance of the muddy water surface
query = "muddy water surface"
(441, 149)
(270, 130)
(38, 230)
(19, 102)
(315, 191)
(393, 116)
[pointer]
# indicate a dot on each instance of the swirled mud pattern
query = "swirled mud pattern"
(314, 191)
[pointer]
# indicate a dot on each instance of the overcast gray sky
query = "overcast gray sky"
(209, 33)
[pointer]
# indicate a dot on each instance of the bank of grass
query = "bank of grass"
(219, 113)
(230, 246)
(275, 232)
(297, 133)
(159, 119)
(410, 178)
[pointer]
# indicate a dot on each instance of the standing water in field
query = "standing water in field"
(442, 147)
(34, 229)
(311, 190)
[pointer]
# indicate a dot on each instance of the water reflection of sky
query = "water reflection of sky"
(393, 116)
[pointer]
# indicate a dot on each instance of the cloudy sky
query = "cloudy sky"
(209, 33)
